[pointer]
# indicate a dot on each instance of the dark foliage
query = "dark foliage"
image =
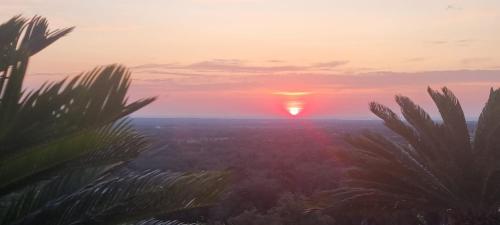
(439, 176)
(63, 146)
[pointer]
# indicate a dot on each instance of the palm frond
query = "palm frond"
(37, 35)
(20, 39)
(453, 118)
(63, 152)
(435, 171)
(88, 101)
(29, 199)
(429, 132)
(488, 122)
(132, 197)
(393, 122)
(63, 146)
(10, 33)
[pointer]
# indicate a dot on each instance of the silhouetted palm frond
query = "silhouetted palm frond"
(20, 203)
(438, 170)
(64, 146)
(20, 40)
(131, 196)
(88, 101)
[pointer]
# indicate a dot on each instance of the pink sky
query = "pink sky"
(232, 58)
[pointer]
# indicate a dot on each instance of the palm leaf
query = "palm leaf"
(29, 199)
(488, 122)
(131, 197)
(20, 40)
(72, 117)
(88, 101)
(44, 159)
(63, 146)
(10, 33)
(437, 170)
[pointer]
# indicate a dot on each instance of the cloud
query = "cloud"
(238, 75)
(275, 61)
(179, 74)
(156, 66)
(234, 66)
(331, 64)
(461, 42)
(222, 65)
(371, 80)
(232, 74)
(475, 61)
(453, 7)
(192, 91)
(219, 65)
(465, 42)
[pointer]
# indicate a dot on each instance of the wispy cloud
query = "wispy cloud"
(377, 80)
(465, 42)
(219, 65)
(460, 42)
(232, 74)
(453, 7)
(234, 66)
(224, 75)
(331, 64)
(475, 61)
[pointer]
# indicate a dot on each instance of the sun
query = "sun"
(294, 102)
(294, 110)
(294, 107)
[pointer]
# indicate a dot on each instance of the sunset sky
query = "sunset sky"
(254, 58)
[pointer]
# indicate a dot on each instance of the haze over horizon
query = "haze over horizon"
(250, 58)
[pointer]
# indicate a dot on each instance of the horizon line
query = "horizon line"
(276, 118)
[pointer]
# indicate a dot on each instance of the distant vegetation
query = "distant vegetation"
(64, 147)
(276, 164)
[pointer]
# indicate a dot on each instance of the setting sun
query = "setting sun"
(294, 107)
(294, 111)
(293, 102)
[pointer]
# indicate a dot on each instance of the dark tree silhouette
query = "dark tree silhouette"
(63, 147)
(440, 175)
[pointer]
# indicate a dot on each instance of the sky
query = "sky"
(259, 58)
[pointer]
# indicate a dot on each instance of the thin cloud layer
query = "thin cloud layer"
(236, 88)
(238, 66)
(236, 74)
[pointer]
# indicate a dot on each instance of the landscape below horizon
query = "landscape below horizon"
(275, 163)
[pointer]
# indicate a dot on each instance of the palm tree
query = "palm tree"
(64, 146)
(436, 172)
